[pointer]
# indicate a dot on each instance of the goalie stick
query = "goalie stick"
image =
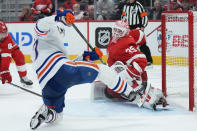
(89, 45)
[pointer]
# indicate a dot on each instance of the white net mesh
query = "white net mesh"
(177, 55)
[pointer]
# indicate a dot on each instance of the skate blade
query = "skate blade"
(27, 86)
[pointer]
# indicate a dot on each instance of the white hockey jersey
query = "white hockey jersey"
(49, 50)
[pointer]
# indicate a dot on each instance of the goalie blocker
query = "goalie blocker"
(149, 98)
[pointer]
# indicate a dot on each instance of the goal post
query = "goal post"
(179, 55)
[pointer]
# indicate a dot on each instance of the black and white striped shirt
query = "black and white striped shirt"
(135, 15)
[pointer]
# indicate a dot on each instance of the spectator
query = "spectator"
(91, 2)
(83, 4)
(26, 14)
(155, 13)
(174, 5)
(116, 15)
(145, 2)
(185, 5)
(195, 5)
(41, 8)
(134, 13)
(90, 14)
(68, 4)
(60, 4)
(165, 2)
(116, 1)
(104, 9)
(79, 15)
(191, 2)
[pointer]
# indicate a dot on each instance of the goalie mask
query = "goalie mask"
(120, 29)
(65, 16)
(3, 31)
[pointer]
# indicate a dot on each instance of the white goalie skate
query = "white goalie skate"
(44, 114)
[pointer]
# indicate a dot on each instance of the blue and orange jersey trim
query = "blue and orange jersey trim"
(84, 64)
(48, 64)
(120, 87)
(39, 32)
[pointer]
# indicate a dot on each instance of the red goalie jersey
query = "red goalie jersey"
(138, 36)
(123, 47)
(125, 50)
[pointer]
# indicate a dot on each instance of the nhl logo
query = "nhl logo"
(133, 11)
(103, 35)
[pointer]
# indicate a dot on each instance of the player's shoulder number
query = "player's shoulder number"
(130, 50)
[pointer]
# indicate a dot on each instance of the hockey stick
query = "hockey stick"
(153, 31)
(25, 89)
(89, 45)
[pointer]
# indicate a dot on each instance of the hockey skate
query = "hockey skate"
(44, 114)
(149, 66)
(26, 82)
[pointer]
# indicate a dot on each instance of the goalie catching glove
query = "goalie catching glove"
(92, 55)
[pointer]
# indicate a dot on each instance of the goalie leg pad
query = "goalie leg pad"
(151, 98)
(100, 91)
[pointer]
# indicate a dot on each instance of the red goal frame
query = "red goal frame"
(190, 55)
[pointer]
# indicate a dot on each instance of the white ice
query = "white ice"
(82, 114)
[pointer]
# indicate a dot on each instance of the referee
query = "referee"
(136, 17)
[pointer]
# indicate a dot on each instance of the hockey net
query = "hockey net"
(179, 56)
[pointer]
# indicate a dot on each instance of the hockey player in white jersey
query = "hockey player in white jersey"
(56, 73)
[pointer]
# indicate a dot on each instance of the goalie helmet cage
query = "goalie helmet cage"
(179, 55)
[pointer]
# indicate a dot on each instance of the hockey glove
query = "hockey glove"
(45, 11)
(5, 77)
(65, 16)
(98, 52)
(90, 55)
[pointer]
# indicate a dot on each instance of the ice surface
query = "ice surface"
(83, 114)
